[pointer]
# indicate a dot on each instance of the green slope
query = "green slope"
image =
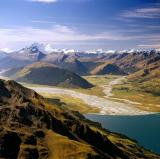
(49, 74)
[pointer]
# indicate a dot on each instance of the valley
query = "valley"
(116, 89)
(108, 91)
(105, 104)
(132, 91)
(80, 79)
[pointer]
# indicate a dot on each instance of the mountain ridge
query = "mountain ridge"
(49, 74)
(30, 122)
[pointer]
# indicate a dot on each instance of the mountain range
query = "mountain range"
(64, 68)
(75, 64)
(40, 128)
(81, 63)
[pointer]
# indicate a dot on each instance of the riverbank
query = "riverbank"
(87, 102)
(105, 105)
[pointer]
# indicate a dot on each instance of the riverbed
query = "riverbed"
(105, 104)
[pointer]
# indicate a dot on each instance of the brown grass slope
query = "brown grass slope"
(148, 79)
(49, 74)
(136, 61)
(76, 66)
(107, 68)
(30, 127)
(129, 62)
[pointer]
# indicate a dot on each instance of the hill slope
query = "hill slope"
(49, 74)
(136, 61)
(107, 69)
(75, 66)
(30, 128)
(148, 79)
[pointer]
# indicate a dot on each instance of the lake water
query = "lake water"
(145, 128)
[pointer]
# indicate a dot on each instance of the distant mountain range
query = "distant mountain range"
(81, 63)
(39, 128)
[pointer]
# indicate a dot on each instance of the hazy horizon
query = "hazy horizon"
(80, 24)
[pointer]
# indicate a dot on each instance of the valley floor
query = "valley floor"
(109, 96)
(90, 103)
(130, 92)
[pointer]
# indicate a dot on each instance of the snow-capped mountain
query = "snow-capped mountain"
(70, 58)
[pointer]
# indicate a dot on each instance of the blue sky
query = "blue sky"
(81, 24)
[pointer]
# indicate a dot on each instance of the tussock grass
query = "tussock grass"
(73, 103)
(57, 143)
(100, 79)
(141, 90)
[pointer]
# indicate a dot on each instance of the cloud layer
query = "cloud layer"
(57, 33)
(64, 34)
(148, 12)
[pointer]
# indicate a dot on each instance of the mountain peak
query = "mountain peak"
(35, 48)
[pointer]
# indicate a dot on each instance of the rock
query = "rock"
(9, 144)
(28, 153)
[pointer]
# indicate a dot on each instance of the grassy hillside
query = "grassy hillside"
(148, 79)
(31, 127)
(76, 66)
(107, 68)
(128, 62)
(133, 62)
(49, 74)
(143, 87)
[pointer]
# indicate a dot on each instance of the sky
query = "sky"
(80, 24)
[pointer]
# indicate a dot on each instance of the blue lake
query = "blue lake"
(145, 129)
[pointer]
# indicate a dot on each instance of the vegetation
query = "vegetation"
(99, 80)
(140, 89)
(108, 68)
(32, 127)
(71, 103)
(57, 143)
(49, 74)
(131, 89)
(96, 90)
(148, 79)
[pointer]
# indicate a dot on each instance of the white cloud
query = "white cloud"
(7, 50)
(156, 46)
(43, 22)
(110, 51)
(48, 48)
(132, 51)
(150, 12)
(43, 1)
(59, 34)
